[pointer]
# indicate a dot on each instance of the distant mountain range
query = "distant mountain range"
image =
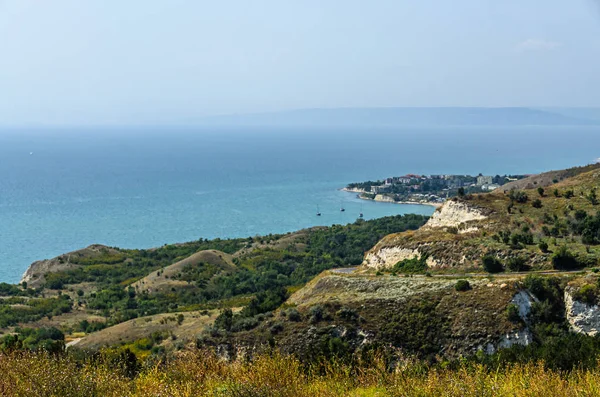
(405, 116)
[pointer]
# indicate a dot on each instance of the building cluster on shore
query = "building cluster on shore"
(427, 188)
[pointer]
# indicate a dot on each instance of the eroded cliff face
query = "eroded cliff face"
(454, 214)
(388, 257)
(440, 253)
(582, 317)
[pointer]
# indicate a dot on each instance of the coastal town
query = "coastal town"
(427, 189)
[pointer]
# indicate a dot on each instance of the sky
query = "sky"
(103, 62)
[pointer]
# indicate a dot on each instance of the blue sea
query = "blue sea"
(61, 190)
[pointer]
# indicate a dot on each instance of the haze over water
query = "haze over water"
(139, 188)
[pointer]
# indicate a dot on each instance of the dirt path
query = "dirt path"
(350, 270)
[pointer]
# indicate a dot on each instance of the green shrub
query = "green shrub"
(347, 314)
(518, 196)
(316, 314)
(516, 264)
(588, 293)
(537, 203)
(592, 197)
(543, 246)
(462, 285)
(569, 194)
(276, 328)
(224, 320)
(563, 259)
(491, 264)
(294, 315)
(512, 312)
(413, 265)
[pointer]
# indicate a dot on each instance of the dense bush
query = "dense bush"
(563, 259)
(347, 314)
(49, 340)
(518, 196)
(492, 264)
(293, 315)
(587, 293)
(462, 285)
(316, 314)
(413, 265)
(33, 310)
(512, 312)
(517, 264)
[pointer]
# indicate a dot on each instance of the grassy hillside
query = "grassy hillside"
(99, 287)
(149, 334)
(177, 275)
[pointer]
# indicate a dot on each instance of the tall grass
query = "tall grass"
(203, 374)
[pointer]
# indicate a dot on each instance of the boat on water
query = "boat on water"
(342, 209)
(318, 211)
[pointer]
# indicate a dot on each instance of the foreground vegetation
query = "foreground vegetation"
(203, 374)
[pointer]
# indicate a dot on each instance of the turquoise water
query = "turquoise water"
(147, 187)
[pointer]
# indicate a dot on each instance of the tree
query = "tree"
(224, 320)
(491, 264)
(516, 264)
(592, 197)
(537, 203)
(540, 191)
(563, 259)
(461, 192)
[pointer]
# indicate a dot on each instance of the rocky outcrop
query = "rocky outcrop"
(446, 251)
(582, 317)
(524, 301)
(521, 337)
(388, 257)
(454, 214)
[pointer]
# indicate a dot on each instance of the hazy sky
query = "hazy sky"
(146, 61)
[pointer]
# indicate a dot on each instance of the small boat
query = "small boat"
(318, 211)
(361, 212)
(342, 209)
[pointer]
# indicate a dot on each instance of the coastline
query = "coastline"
(384, 199)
